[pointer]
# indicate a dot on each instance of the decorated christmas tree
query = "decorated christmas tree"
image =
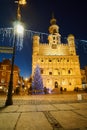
(37, 82)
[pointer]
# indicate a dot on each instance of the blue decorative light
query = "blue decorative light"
(6, 35)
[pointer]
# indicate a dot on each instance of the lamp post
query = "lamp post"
(18, 30)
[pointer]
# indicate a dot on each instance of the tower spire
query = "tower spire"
(54, 31)
(54, 28)
(53, 20)
(52, 15)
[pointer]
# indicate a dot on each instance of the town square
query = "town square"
(43, 65)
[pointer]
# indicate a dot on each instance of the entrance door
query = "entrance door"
(56, 84)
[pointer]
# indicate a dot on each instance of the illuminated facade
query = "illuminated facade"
(58, 61)
(5, 70)
(84, 77)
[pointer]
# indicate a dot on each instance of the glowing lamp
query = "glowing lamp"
(26, 79)
(19, 28)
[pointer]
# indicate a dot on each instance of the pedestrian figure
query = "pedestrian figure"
(45, 90)
(61, 89)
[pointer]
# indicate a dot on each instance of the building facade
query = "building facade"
(84, 77)
(58, 62)
(5, 70)
(86, 72)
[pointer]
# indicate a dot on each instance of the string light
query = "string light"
(7, 33)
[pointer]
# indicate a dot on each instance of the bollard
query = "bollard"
(79, 96)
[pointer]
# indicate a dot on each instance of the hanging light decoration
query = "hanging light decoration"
(22, 2)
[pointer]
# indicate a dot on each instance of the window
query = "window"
(50, 60)
(56, 84)
(63, 71)
(41, 71)
(54, 31)
(4, 67)
(3, 73)
(2, 80)
(69, 71)
(58, 73)
(53, 41)
(70, 83)
(50, 73)
(61, 60)
(53, 38)
(67, 60)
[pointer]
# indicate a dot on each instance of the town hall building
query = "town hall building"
(58, 62)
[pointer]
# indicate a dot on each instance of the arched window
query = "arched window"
(50, 60)
(69, 71)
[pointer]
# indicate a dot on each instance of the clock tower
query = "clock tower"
(54, 37)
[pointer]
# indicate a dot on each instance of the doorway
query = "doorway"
(56, 84)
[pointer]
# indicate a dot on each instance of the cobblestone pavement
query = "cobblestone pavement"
(44, 112)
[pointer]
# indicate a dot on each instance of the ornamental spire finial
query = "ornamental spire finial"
(53, 20)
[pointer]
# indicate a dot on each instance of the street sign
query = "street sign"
(6, 49)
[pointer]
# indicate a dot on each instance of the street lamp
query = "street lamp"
(18, 30)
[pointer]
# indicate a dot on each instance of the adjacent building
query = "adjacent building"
(58, 62)
(86, 72)
(5, 70)
(84, 77)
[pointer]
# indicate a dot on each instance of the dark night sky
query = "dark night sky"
(71, 17)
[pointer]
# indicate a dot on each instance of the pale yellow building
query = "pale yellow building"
(83, 75)
(58, 61)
